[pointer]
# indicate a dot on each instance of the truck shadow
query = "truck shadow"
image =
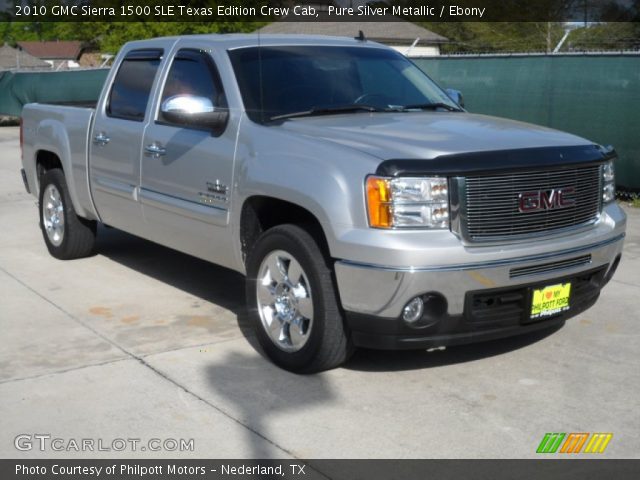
(268, 401)
(209, 282)
(224, 287)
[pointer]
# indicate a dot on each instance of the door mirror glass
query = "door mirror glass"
(191, 110)
(456, 96)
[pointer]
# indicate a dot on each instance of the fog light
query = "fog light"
(413, 310)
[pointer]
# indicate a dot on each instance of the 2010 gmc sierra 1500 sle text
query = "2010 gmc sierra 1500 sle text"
(364, 205)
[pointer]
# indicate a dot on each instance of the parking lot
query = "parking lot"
(143, 342)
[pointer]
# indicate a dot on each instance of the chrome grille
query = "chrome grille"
(491, 203)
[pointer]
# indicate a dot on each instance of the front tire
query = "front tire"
(293, 303)
(66, 235)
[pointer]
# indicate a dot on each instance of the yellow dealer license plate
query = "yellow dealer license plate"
(550, 300)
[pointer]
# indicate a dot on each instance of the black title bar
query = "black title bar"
(547, 469)
(321, 11)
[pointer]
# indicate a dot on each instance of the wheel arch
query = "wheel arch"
(46, 160)
(262, 212)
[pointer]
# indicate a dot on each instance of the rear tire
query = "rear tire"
(66, 235)
(293, 303)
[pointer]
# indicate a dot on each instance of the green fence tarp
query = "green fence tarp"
(593, 96)
(20, 88)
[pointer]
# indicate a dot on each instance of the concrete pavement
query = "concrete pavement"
(143, 342)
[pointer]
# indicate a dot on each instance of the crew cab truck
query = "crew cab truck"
(365, 206)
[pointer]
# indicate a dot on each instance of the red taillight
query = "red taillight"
(21, 137)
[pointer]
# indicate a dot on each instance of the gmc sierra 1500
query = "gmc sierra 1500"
(365, 206)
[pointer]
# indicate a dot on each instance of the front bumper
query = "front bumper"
(489, 314)
(373, 297)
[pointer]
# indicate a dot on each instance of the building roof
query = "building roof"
(14, 59)
(395, 32)
(56, 50)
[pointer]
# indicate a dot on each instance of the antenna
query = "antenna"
(361, 37)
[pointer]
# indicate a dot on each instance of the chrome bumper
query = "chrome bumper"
(383, 291)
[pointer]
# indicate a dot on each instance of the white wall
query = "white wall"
(418, 50)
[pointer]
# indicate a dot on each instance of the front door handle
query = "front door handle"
(155, 150)
(101, 139)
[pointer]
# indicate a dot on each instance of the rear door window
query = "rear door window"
(132, 86)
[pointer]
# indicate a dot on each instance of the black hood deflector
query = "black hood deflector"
(504, 161)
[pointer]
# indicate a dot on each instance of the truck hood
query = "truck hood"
(427, 135)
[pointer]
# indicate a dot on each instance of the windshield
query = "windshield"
(284, 80)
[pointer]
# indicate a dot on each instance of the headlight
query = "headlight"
(608, 182)
(408, 202)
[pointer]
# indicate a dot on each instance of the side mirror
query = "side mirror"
(193, 111)
(456, 96)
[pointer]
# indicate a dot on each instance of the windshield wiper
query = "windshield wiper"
(431, 106)
(356, 107)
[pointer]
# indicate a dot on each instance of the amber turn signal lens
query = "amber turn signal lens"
(379, 202)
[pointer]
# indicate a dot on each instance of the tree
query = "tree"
(108, 37)
(494, 37)
(605, 36)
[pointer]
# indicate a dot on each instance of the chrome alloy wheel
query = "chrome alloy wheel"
(285, 303)
(53, 215)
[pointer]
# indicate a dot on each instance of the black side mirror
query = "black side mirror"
(456, 96)
(194, 111)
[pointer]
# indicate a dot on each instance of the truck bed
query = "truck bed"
(63, 129)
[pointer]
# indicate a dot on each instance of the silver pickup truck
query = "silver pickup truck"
(365, 206)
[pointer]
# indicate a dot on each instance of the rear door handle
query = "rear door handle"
(101, 139)
(155, 150)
